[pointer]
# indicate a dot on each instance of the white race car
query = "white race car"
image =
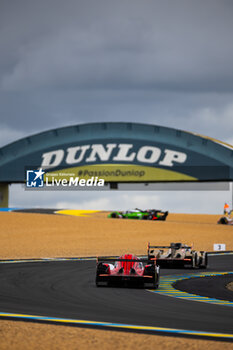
(225, 220)
(177, 255)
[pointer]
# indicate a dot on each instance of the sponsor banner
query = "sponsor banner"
(136, 161)
(135, 153)
(119, 173)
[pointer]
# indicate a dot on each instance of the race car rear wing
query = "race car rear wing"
(159, 246)
(165, 247)
(112, 259)
(169, 259)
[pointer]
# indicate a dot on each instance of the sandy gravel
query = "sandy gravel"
(24, 336)
(37, 235)
(40, 235)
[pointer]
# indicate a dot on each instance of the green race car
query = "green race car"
(150, 214)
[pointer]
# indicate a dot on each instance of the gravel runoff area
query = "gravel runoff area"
(25, 235)
(32, 336)
(41, 235)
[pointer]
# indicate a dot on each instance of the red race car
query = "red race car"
(127, 269)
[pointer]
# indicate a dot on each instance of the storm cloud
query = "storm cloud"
(76, 61)
(180, 45)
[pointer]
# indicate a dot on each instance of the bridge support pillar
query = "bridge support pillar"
(4, 195)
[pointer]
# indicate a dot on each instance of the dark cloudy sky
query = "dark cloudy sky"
(161, 62)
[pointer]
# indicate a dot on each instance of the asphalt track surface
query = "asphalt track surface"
(213, 287)
(67, 289)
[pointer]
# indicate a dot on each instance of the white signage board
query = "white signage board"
(219, 246)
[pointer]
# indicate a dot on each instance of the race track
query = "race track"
(67, 289)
